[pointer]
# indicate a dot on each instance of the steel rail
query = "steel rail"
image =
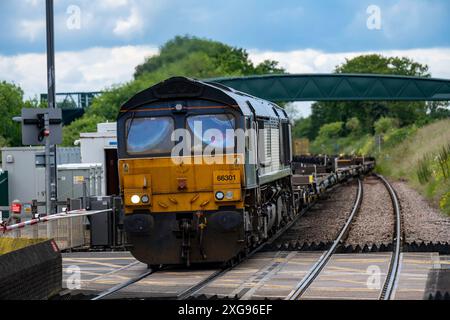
(308, 279)
(192, 291)
(392, 276)
(122, 285)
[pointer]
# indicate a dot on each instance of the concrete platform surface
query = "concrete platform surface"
(414, 273)
(271, 275)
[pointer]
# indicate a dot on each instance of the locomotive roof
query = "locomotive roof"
(182, 88)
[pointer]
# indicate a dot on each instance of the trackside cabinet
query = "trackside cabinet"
(4, 195)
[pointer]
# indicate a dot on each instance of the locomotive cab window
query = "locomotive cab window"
(211, 130)
(149, 135)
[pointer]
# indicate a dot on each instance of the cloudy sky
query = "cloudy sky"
(99, 42)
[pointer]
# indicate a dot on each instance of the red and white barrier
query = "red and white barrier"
(63, 215)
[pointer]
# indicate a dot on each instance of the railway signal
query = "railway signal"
(44, 126)
(40, 125)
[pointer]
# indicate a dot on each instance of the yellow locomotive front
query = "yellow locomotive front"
(181, 176)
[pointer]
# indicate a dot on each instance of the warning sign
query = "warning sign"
(78, 179)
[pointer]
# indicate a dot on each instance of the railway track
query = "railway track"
(194, 291)
(123, 285)
(304, 284)
(196, 288)
(388, 287)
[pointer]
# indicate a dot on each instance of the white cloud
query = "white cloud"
(96, 68)
(315, 61)
(112, 4)
(87, 70)
(130, 25)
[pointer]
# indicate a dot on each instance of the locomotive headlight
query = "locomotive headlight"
(219, 195)
(135, 199)
(229, 195)
(145, 198)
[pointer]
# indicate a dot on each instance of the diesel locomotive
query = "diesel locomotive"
(205, 172)
(182, 208)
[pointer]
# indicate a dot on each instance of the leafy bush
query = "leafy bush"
(444, 203)
(397, 136)
(3, 142)
(84, 124)
(328, 139)
(424, 171)
(353, 125)
(385, 124)
(443, 159)
(301, 128)
(331, 130)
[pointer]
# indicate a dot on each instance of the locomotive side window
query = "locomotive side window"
(265, 143)
(149, 135)
(282, 144)
(211, 130)
(285, 143)
(268, 141)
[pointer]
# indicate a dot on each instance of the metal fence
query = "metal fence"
(68, 230)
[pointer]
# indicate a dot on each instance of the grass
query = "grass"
(421, 156)
(423, 159)
(13, 244)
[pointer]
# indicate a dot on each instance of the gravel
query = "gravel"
(325, 219)
(421, 222)
(374, 223)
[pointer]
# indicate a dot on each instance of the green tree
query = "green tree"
(182, 56)
(219, 59)
(384, 125)
(327, 140)
(438, 110)
(353, 126)
(302, 128)
(369, 112)
(11, 103)
(3, 142)
(84, 124)
(331, 130)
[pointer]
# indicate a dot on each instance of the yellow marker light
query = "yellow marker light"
(135, 199)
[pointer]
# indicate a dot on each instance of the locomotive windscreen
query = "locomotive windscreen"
(214, 130)
(150, 135)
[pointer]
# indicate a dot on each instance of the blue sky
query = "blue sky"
(332, 26)
(113, 36)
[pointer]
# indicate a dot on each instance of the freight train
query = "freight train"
(206, 172)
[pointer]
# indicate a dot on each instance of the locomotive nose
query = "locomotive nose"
(225, 221)
(139, 223)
